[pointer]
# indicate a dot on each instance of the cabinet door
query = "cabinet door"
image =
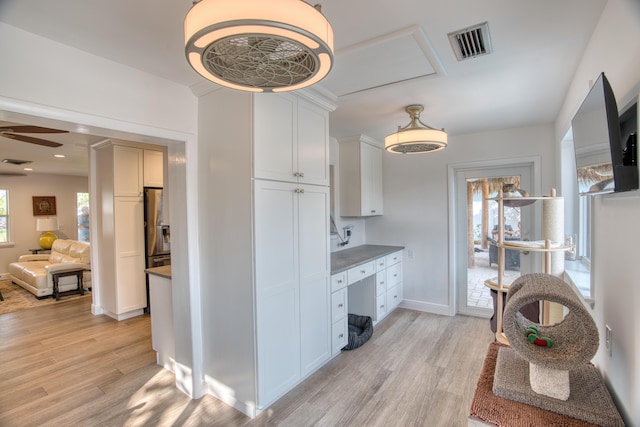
(275, 148)
(153, 169)
(131, 293)
(127, 171)
(277, 293)
(315, 316)
(313, 144)
(371, 170)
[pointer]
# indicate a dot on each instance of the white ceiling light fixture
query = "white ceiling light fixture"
(416, 137)
(257, 45)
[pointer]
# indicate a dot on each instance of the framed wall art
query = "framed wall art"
(44, 205)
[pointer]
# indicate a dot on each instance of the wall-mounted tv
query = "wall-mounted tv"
(603, 161)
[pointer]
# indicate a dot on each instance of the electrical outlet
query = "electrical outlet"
(608, 339)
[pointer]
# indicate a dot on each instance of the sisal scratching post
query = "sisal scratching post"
(553, 231)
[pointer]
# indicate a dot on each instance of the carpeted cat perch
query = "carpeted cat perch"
(552, 372)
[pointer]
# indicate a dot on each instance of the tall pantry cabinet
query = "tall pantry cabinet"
(121, 223)
(264, 257)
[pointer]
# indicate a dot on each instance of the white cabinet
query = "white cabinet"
(292, 283)
(127, 171)
(153, 168)
(121, 238)
(374, 288)
(291, 140)
(360, 177)
(267, 322)
(339, 312)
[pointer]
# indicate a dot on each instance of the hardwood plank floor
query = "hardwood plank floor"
(61, 366)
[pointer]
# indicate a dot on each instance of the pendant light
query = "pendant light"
(259, 45)
(416, 137)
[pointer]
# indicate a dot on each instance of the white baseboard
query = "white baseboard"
(427, 307)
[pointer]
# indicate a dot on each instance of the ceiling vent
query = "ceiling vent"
(16, 162)
(471, 42)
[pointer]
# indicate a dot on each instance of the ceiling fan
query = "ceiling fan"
(11, 131)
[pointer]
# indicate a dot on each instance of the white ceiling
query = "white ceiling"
(388, 55)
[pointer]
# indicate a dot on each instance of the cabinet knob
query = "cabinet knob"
(341, 335)
(395, 275)
(301, 175)
(373, 211)
(299, 190)
(339, 280)
(340, 305)
(382, 306)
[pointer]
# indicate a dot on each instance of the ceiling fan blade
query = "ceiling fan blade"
(30, 129)
(31, 140)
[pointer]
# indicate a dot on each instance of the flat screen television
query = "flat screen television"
(604, 163)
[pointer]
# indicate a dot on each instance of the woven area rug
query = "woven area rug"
(491, 409)
(16, 298)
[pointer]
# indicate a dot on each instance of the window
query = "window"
(82, 205)
(584, 227)
(4, 216)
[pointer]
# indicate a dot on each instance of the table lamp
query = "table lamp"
(47, 225)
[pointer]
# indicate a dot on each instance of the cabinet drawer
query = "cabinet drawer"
(338, 281)
(393, 258)
(339, 335)
(360, 272)
(381, 306)
(380, 264)
(339, 304)
(381, 282)
(394, 275)
(394, 297)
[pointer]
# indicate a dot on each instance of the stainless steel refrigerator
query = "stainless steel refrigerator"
(157, 234)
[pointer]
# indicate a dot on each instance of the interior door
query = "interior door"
(473, 262)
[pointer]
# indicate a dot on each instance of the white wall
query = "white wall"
(23, 223)
(613, 50)
(416, 205)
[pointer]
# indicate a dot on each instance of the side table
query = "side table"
(40, 251)
(56, 276)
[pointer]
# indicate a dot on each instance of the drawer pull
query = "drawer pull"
(395, 297)
(339, 280)
(363, 271)
(395, 275)
(341, 336)
(373, 211)
(382, 306)
(340, 305)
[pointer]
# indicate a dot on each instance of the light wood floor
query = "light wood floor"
(61, 366)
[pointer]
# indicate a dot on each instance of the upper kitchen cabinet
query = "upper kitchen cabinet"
(291, 139)
(360, 176)
(153, 168)
(127, 173)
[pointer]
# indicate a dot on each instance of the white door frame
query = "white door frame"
(533, 162)
(182, 173)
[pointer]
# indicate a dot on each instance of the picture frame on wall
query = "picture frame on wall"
(44, 205)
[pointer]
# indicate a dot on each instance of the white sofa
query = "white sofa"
(33, 272)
